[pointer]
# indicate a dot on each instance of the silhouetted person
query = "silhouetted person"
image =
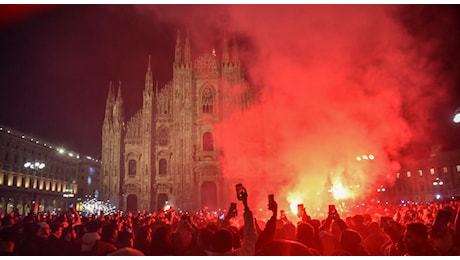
(33, 240)
(350, 241)
(443, 242)
(375, 240)
(143, 240)
(125, 245)
(222, 241)
(306, 236)
(395, 246)
(7, 241)
(106, 244)
(68, 241)
(358, 225)
(89, 239)
(416, 240)
(161, 241)
(53, 245)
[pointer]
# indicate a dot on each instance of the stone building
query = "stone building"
(34, 169)
(167, 151)
(434, 178)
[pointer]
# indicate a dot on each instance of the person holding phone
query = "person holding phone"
(222, 240)
(267, 235)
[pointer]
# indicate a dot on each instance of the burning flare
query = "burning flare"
(339, 191)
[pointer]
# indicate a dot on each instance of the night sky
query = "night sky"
(56, 63)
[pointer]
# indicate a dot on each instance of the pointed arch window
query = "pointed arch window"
(132, 168)
(207, 100)
(163, 137)
(208, 142)
(163, 167)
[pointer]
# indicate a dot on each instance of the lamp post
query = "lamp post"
(439, 183)
(34, 166)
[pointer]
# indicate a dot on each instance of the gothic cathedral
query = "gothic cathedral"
(167, 151)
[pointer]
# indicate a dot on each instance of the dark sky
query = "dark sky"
(56, 64)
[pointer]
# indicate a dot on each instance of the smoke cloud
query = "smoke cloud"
(338, 82)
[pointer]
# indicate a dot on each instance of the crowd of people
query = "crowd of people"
(404, 230)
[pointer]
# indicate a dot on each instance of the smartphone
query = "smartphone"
(332, 211)
(239, 191)
(282, 214)
(221, 216)
(300, 209)
(232, 211)
(441, 222)
(271, 201)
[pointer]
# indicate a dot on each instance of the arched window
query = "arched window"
(163, 167)
(132, 168)
(208, 142)
(163, 137)
(207, 101)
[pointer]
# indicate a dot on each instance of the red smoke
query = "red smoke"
(336, 83)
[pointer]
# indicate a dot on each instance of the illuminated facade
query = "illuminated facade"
(435, 178)
(31, 169)
(168, 151)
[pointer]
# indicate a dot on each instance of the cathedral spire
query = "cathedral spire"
(235, 52)
(225, 53)
(118, 107)
(109, 102)
(178, 53)
(187, 51)
(119, 91)
(149, 69)
(149, 78)
(110, 95)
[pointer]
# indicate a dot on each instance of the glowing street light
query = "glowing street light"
(438, 182)
(365, 157)
(457, 116)
(34, 165)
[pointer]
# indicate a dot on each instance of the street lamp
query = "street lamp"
(34, 165)
(457, 116)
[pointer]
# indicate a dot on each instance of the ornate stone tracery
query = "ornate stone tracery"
(169, 142)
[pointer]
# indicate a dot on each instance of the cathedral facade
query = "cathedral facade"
(168, 152)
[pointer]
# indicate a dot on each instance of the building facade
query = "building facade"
(167, 151)
(32, 169)
(430, 179)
